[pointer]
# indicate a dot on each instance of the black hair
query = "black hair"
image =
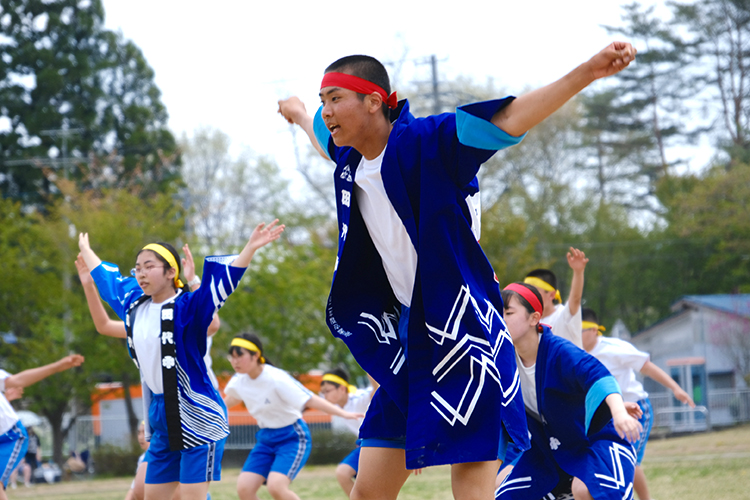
(508, 294)
(368, 68)
(250, 337)
(588, 314)
(339, 372)
(545, 275)
(161, 259)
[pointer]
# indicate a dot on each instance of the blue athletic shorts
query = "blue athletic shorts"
(13, 445)
(284, 450)
(352, 459)
(192, 465)
(647, 421)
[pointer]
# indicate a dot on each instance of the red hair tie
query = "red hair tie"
(526, 294)
(359, 85)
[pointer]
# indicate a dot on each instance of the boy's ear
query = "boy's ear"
(374, 102)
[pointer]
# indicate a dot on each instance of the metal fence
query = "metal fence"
(89, 433)
(723, 408)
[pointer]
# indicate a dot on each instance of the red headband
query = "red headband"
(359, 85)
(526, 294)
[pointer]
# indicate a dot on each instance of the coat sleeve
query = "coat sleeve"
(115, 289)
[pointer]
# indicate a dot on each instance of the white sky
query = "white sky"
(225, 63)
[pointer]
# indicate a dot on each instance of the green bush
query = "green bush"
(112, 460)
(330, 447)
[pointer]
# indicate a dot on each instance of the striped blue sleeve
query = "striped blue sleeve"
(597, 394)
(474, 128)
(115, 289)
(322, 134)
(219, 280)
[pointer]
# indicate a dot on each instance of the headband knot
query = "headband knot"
(359, 85)
(164, 253)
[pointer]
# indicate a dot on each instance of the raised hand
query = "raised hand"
(577, 260)
(83, 242)
(611, 59)
(263, 235)
(83, 271)
(292, 109)
(188, 264)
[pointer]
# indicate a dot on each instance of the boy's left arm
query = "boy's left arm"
(528, 110)
(577, 261)
(651, 370)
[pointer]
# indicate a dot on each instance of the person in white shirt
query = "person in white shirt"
(276, 401)
(13, 435)
(622, 359)
(335, 387)
(564, 320)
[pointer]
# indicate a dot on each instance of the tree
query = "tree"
(68, 84)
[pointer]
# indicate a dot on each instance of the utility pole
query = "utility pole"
(435, 94)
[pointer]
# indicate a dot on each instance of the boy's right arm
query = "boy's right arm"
(34, 375)
(294, 111)
(651, 370)
(577, 261)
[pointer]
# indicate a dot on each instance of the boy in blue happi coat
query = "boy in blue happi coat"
(413, 295)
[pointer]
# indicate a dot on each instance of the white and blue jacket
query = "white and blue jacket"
(458, 386)
(196, 414)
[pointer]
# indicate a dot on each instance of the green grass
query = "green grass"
(712, 466)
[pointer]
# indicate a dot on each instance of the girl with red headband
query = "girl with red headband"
(186, 420)
(413, 295)
(580, 428)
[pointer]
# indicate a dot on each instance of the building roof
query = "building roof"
(738, 304)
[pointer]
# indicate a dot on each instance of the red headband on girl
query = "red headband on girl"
(359, 85)
(526, 294)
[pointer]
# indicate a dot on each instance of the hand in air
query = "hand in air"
(577, 260)
(83, 242)
(612, 59)
(188, 264)
(83, 271)
(263, 235)
(291, 109)
(70, 361)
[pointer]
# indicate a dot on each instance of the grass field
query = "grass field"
(713, 466)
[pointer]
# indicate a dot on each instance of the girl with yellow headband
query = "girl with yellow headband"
(186, 421)
(276, 401)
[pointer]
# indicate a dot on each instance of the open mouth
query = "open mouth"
(332, 128)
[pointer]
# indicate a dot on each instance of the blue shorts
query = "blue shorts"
(352, 459)
(192, 465)
(284, 450)
(13, 445)
(647, 421)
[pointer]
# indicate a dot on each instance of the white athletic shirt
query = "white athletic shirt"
(357, 403)
(386, 229)
(275, 398)
(565, 325)
(622, 360)
(146, 337)
(527, 375)
(209, 362)
(8, 416)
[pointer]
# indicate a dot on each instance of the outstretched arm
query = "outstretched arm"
(89, 257)
(102, 322)
(231, 401)
(318, 403)
(528, 110)
(34, 375)
(188, 267)
(294, 111)
(651, 370)
(262, 235)
(577, 261)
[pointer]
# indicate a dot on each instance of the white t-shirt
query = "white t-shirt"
(565, 325)
(275, 398)
(357, 403)
(527, 376)
(146, 337)
(8, 416)
(622, 360)
(209, 362)
(386, 229)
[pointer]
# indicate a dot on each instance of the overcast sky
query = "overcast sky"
(224, 64)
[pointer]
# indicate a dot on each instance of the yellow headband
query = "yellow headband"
(335, 379)
(539, 283)
(585, 325)
(166, 255)
(240, 342)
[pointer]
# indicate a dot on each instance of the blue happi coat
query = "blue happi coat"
(458, 385)
(575, 435)
(199, 415)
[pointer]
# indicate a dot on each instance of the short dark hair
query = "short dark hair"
(545, 275)
(588, 314)
(339, 372)
(367, 68)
